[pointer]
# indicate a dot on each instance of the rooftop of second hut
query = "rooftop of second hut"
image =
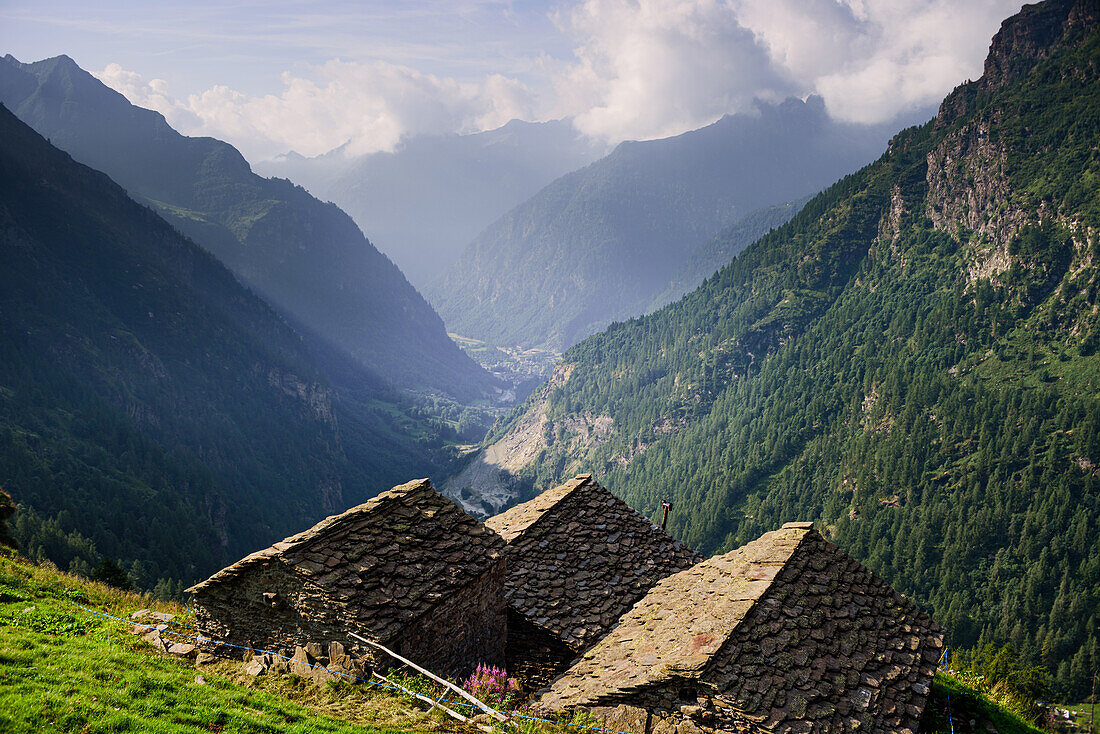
(579, 557)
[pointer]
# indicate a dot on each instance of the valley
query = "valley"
(792, 309)
(911, 359)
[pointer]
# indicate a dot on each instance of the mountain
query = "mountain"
(424, 202)
(599, 244)
(306, 258)
(913, 361)
(709, 257)
(151, 408)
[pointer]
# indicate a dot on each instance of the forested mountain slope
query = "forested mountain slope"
(912, 362)
(711, 256)
(306, 258)
(599, 244)
(424, 202)
(151, 408)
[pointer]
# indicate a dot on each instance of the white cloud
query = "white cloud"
(648, 68)
(152, 95)
(638, 69)
(873, 59)
(371, 106)
(658, 67)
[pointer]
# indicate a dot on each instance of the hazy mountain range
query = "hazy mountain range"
(601, 243)
(152, 408)
(426, 201)
(305, 257)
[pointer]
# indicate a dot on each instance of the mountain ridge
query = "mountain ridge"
(307, 258)
(599, 244)
(151, 408)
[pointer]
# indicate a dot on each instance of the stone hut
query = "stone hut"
(578, 558)
(785, 634)
(408, 569)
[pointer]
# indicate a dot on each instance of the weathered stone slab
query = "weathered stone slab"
(302, 663)
(255, 667)
(181, 648)
(153, 638)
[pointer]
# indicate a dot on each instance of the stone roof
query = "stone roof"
(725, 621)
(398, 553)
(579, 557)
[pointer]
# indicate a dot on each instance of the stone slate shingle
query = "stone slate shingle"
(787, 633)
(578, 557)
(408, 568)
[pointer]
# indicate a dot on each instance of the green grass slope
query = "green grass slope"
(65, 670)
(912, 361)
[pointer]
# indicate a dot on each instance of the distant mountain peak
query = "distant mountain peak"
(599, 244)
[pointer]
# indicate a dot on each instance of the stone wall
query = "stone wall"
(534, 656)
(272, 607)
(467, 628)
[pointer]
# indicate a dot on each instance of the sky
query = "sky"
(272, 76)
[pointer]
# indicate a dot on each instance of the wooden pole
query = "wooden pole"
(460, 691)
(434, 703)
(1092, 724)
(422, 697)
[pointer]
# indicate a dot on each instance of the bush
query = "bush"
(109, 572)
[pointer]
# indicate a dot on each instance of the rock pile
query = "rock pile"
(314, 662)
(153, 626)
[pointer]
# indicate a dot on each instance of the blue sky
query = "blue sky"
(246, 45)
(308, 76)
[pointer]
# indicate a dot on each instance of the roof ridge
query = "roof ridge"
(707, 634)
(394, 494)
(318, 531)
(768, 562)
(809, 534)
(538, 507)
